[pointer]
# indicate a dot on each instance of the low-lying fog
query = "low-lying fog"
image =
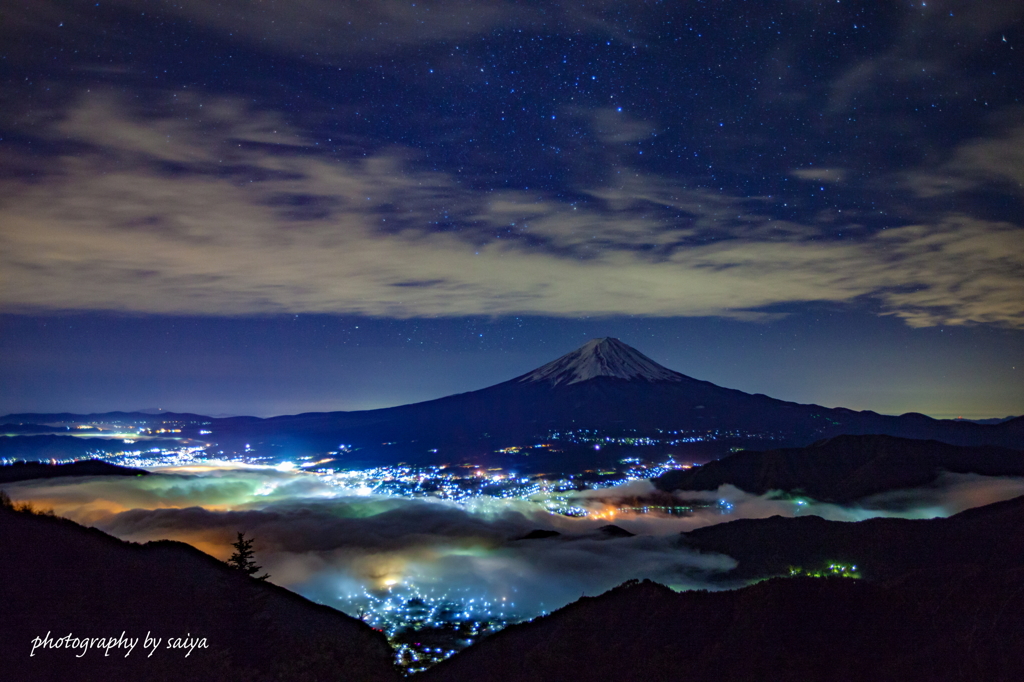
(332, 544)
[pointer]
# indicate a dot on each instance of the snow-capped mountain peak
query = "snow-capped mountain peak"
(606, 357)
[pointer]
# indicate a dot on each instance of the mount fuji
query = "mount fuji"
(603, 390)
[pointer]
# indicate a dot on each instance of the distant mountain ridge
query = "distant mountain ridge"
(845, 469)
(883, 549)
(26, 471)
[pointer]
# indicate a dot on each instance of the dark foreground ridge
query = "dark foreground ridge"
(932, 612)
(964, 625)
(60, 578)
(846, 468)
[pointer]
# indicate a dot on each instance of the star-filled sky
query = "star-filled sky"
(272, 207)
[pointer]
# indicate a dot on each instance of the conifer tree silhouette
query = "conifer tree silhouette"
(244, 557)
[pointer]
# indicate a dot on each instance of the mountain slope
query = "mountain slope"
(61, 578)
(961, 626)
(940, 600)
(882, 549)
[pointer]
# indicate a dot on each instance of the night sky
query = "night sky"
(272, 207)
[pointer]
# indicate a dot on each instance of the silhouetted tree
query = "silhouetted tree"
(23, 507)
(243, 558)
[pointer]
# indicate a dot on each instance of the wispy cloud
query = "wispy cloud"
(324, 30)
(217, 209)
(994, 161)
(930, 41)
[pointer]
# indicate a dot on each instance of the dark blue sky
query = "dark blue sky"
(821, 201)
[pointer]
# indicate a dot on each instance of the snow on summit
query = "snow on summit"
(606, 357)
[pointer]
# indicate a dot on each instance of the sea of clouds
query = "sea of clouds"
(333, 545)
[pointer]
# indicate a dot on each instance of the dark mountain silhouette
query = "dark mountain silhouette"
(605, 385)
(614, 531)
(67, 447)
(882, 549)
(940, 600)
(540, 534)
(963, 624)
(24, 471)
(994, 420)
(62, 578)
(846, 468)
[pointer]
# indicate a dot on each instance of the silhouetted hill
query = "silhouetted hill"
(60, 578)
(940, 599)
(994, 420)
(24, 471)
(881, 549)
(846, 468)
(614, 531)
(966, 624)
(540, 534)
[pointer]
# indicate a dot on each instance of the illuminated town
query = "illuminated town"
(662, 437)
(424, 629)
